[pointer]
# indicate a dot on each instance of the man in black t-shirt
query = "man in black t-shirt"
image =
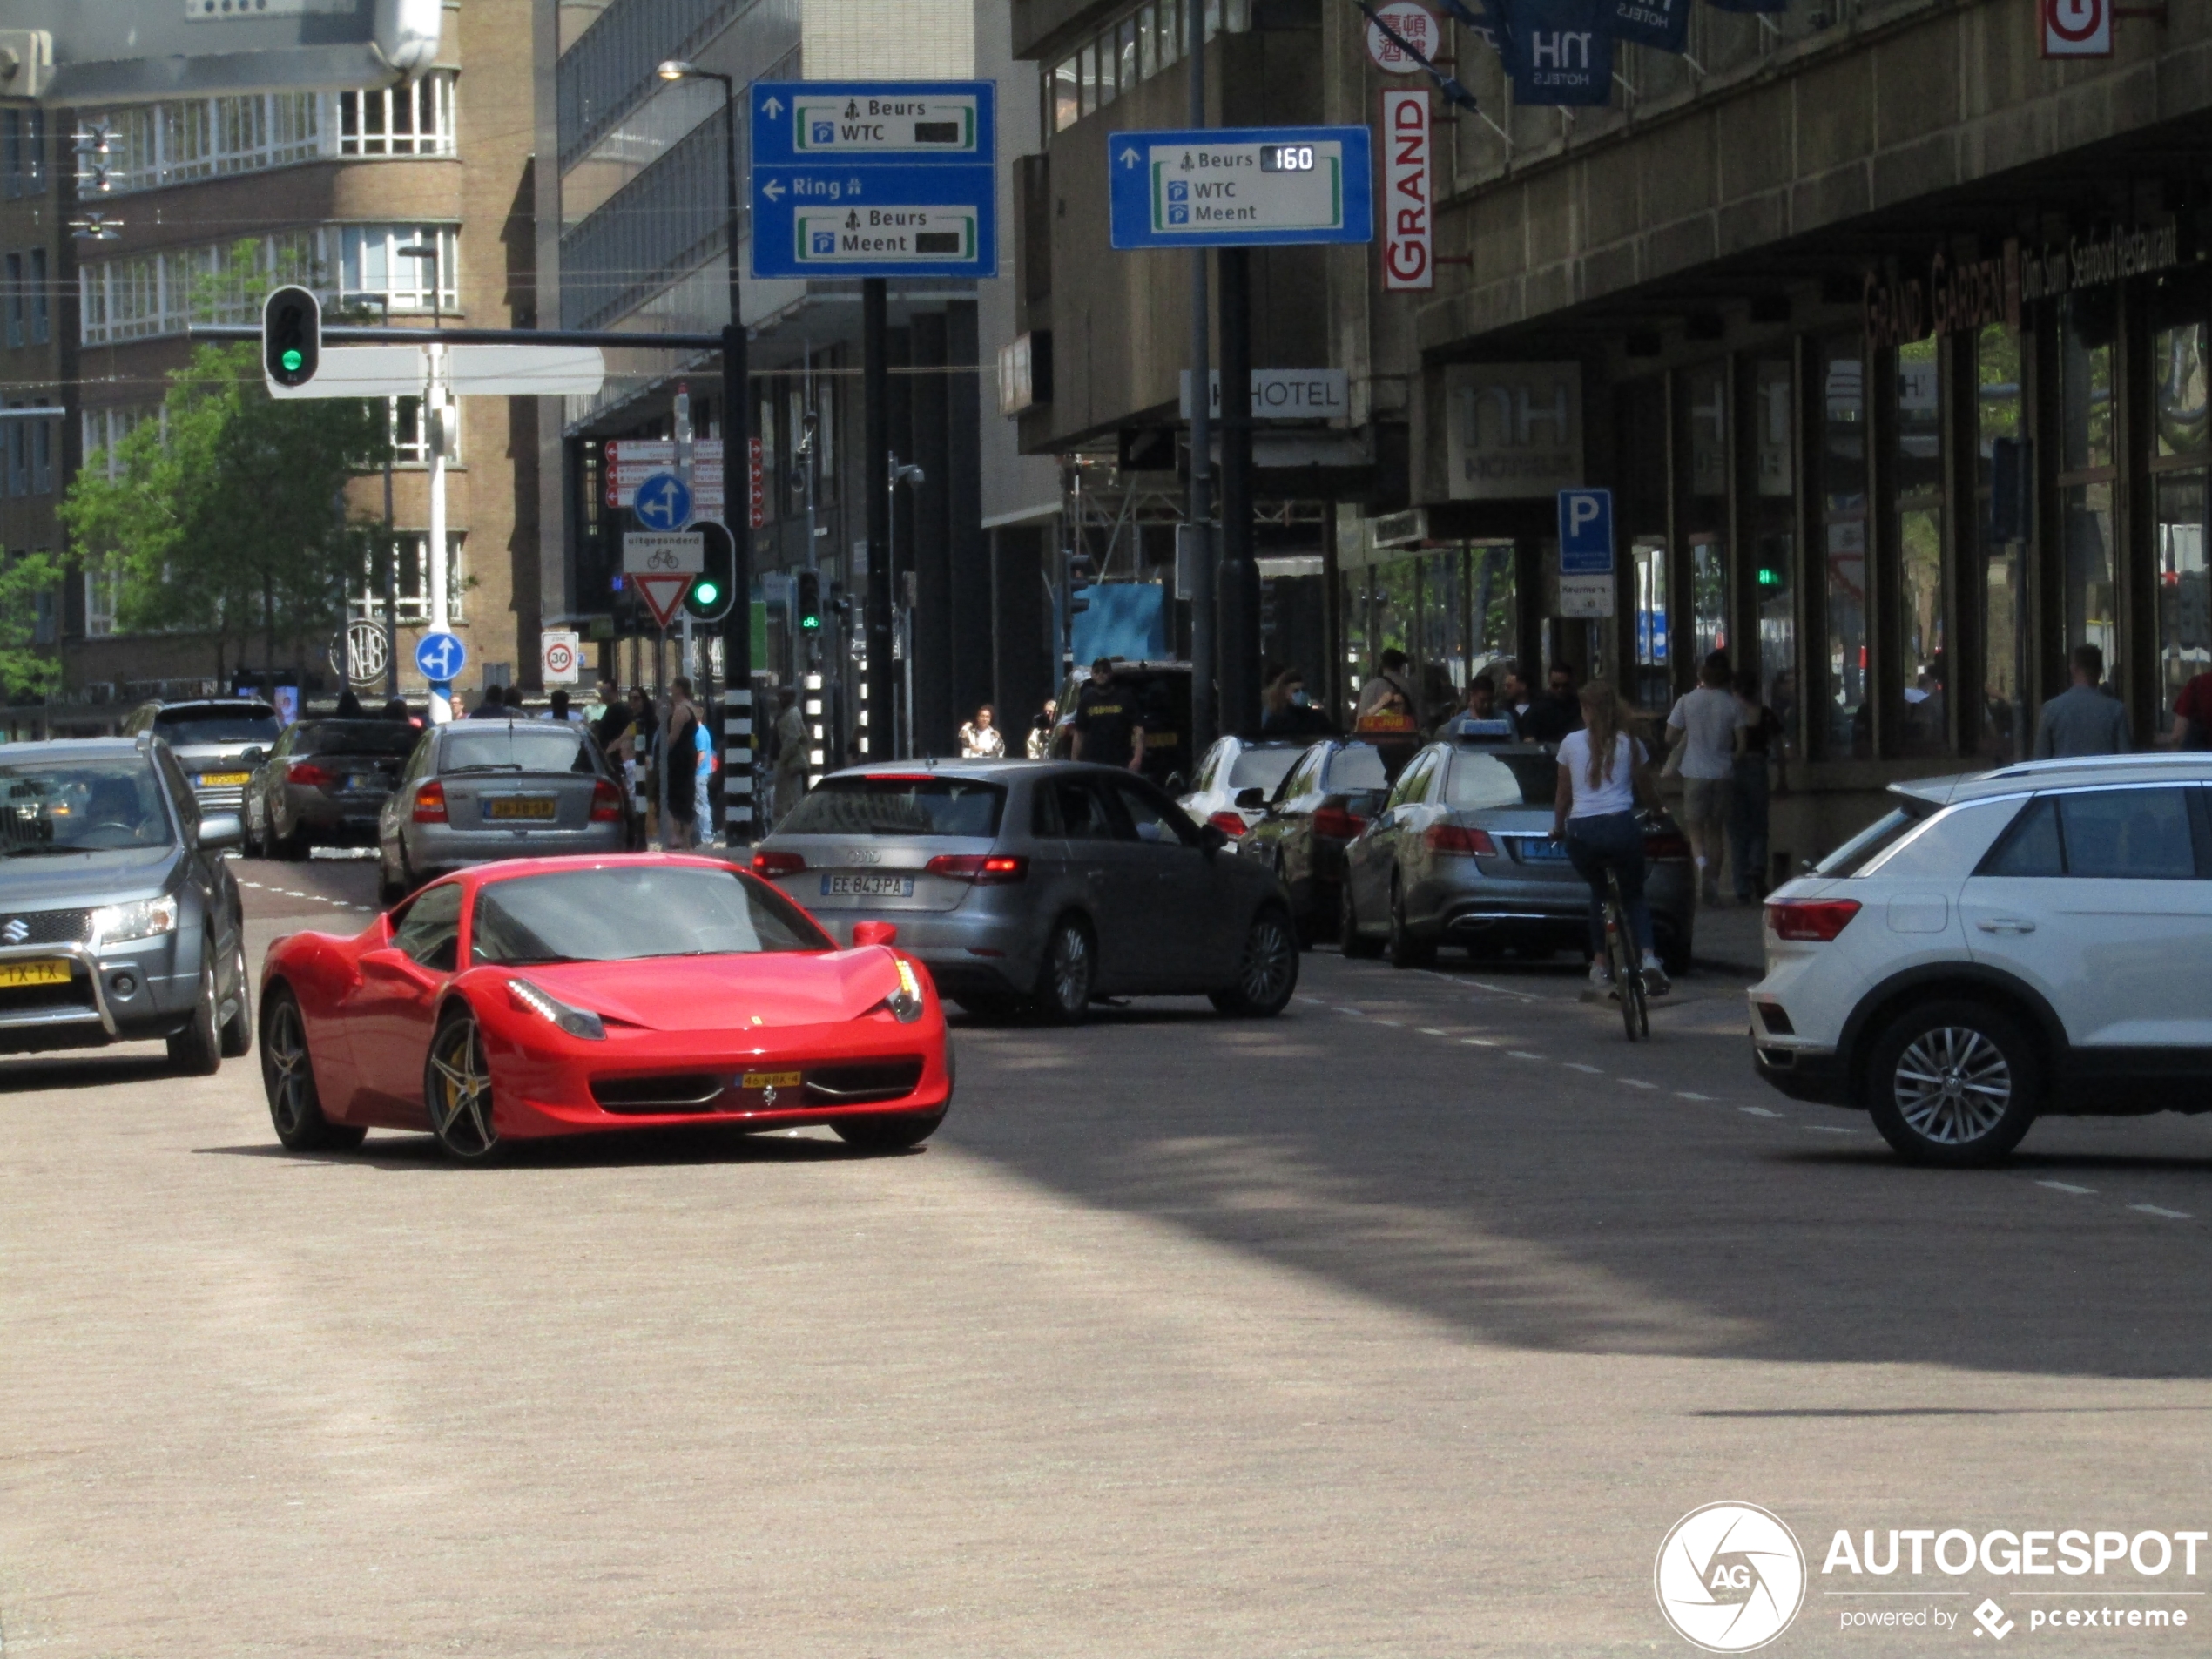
(1107, 731)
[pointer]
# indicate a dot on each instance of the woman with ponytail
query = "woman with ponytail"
(1603, 771)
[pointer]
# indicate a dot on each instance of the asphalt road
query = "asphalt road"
(1407, 1324)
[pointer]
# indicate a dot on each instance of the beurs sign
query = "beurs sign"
(1972, 294)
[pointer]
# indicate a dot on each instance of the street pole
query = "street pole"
(1200, 513)
(1237, 608)
(437, 428)
(875, 467)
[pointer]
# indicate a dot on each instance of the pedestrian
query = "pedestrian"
(633, 748)
(492, 705)
(793, 742)
(1483, 715)
(1550, 717)
(1288, 711)
(2085, 719)
(1516, 695)
(1603, 772)
(679, 767)
(1759, 742)
(1390, 689)
(1108, 731)
(1039, 746)
(613, 718)
(980, 739)
(350, 706)
(1704, 729)
(556, 706)
(396, 709)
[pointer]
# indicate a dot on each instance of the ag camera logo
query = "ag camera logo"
(1729, 1577)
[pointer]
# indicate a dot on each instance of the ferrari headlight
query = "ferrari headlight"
(577, 1022)
(116, 924)
(906, 1002)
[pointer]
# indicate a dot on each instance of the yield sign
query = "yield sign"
(662, 594)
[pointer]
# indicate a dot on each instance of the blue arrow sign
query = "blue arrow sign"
(1586, 532)
(662, 502)
(1241, 188)
(441, 656)
(857, 123)
(873, 219)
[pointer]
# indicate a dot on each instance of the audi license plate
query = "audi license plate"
(868, 887)
(224, 779)
(1536, 851)
(48, 971)
(538, 809)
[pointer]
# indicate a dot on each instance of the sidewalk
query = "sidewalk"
(1730, 939)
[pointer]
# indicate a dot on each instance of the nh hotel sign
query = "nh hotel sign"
(1959, 295)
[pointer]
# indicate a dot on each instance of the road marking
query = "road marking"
(1432, 1031)
(1832, 1129)
(1756, 1111)
(1478, 1042)
(1390, 1022)
(1576, 1065)
(2153, 1210)
(1691, 1094)
(1523, 1054)
(1356, 1012)
(2065, 1186)
(1638, 1082)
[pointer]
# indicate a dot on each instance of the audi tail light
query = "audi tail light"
(1819, 919)
(984, 869)
(1229, 824)
(606, 802)
(430, 803)
(307, 773)
(769, 865)
(1337, 823)
(1460, 839)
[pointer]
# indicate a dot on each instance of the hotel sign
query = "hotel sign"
(1512, 430)
(1960, 295)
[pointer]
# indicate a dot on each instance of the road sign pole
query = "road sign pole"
(1237, 657)
(875, 471)
(434, 427)
(1202, 705)
(739, 821)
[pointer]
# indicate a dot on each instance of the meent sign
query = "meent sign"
(1248, 186)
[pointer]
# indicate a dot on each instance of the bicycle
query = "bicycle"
(1625, 963)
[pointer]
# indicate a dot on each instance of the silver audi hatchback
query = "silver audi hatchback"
(1029, 887)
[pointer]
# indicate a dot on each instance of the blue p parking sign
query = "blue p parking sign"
(1586, 532)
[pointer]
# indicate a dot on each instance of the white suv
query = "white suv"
(2036, 938)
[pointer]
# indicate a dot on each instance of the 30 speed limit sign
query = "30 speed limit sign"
(561, 655)
(2077, 28)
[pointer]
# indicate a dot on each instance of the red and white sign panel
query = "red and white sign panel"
(1408, 226)
(1416, 25)
(662, 594)
(631, 460)
(2077, 28)
(757, 482)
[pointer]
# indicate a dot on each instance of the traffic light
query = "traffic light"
(711, 591)
(291, 336)
(810, 602)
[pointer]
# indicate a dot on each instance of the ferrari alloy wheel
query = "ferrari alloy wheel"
(456, 1088)
(289, 1078)
(1070, 969)
(1268, 973)
(1350, 940)
(892, 1134)
(236, 1038)
(197, 1050)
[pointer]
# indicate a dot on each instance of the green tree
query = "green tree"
(25, 579)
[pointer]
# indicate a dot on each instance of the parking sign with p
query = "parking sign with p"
(1586, 532)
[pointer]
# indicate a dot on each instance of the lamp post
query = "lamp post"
(912, 476)
(437, 438)
(737, 468)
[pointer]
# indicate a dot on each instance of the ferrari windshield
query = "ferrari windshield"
(81, 806)
(622, 914)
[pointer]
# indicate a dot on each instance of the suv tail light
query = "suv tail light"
(1337, 823)
(1229, 824)
(1666, 843)
(984, 869)
(606, 802)
(1815, 919)
(1458, 838)
(307, 772)
(430, 803)
(769, 865)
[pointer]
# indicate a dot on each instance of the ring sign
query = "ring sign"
(662, 502)
(441, 657)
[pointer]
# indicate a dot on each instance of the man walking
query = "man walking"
(1706, 726)
(2085, 719)
(1108, 731)
(1551, 716)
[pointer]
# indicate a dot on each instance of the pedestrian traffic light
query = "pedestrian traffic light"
(291, 336)
(810, 602)
(711, 591)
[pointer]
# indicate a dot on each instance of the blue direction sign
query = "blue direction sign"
(441, 656)
(662, 502)
(1586, 532)
(1241, 188)
(862, 219)
(874, 121)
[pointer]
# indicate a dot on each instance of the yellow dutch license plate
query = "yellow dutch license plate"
(769, 1080)
(225, 779)
(48, 972)
(537, 809)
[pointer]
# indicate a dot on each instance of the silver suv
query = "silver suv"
(218, 740)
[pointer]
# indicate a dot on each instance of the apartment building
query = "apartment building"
(36, 349)
(346, 185)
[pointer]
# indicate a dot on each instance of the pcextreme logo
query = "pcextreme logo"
(1729, 1577)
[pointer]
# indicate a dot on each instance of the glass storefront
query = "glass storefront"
(2178, 463)
(1918, 459)
(2003, 611)
(1773, 523)
(1848, 728)
(1451, 610)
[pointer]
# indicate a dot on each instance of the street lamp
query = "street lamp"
(736, 624)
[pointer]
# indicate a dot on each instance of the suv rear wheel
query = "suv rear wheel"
(1954, 1083)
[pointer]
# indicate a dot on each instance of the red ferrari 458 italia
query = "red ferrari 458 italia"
(549, 997)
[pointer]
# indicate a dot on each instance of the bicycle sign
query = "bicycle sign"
(662, 502)
(650, 553)
(441, 657)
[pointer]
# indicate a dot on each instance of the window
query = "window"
(34, 152)
(370, 261)
(1480, 782)
(2004, 612)
(1071, 807)
(430, 932)
(1919, 534)
(15, 300)
(1087, 62)
(1157, 823)
(1772, 520)
(414, 120)
(1148, 43)
(1843, 490)
(157, 294)
(18, 457)
(2104, 834)
(411, 579)
(1129, 54)
(41, 302)
(2030, 847)
(146, 147)
(410, 434)
(41, 457)
(2089, 603)
(1066, 107)
(11, 151)
(887, 806)
(1707, 595)
(102, 591)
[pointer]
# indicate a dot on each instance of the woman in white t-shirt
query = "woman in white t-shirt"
(1602, 772)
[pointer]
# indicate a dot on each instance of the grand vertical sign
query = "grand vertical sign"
(1408, 228)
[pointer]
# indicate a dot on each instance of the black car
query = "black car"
(1322, 803)
(323, 786)
(119, 920)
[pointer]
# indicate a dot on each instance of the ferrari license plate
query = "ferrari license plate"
(756, 1080)
(869, 887)
(540, 809)
(224, 779)
(50, 971)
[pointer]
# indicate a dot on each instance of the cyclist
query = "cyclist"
(1603, 771)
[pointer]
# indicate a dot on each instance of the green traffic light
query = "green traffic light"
(292, 359)
(706, 591)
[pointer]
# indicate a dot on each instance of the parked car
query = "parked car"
(1462, 854)
(1038, 887)
(474, 791)
(218, 740)
(564, 997)
(2032, 940)
(324, 785)
(1237, 777)
(119, 920)
(1162, 691)
(1317, 811)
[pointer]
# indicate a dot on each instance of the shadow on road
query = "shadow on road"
(82, 1069)
(415, 1154)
